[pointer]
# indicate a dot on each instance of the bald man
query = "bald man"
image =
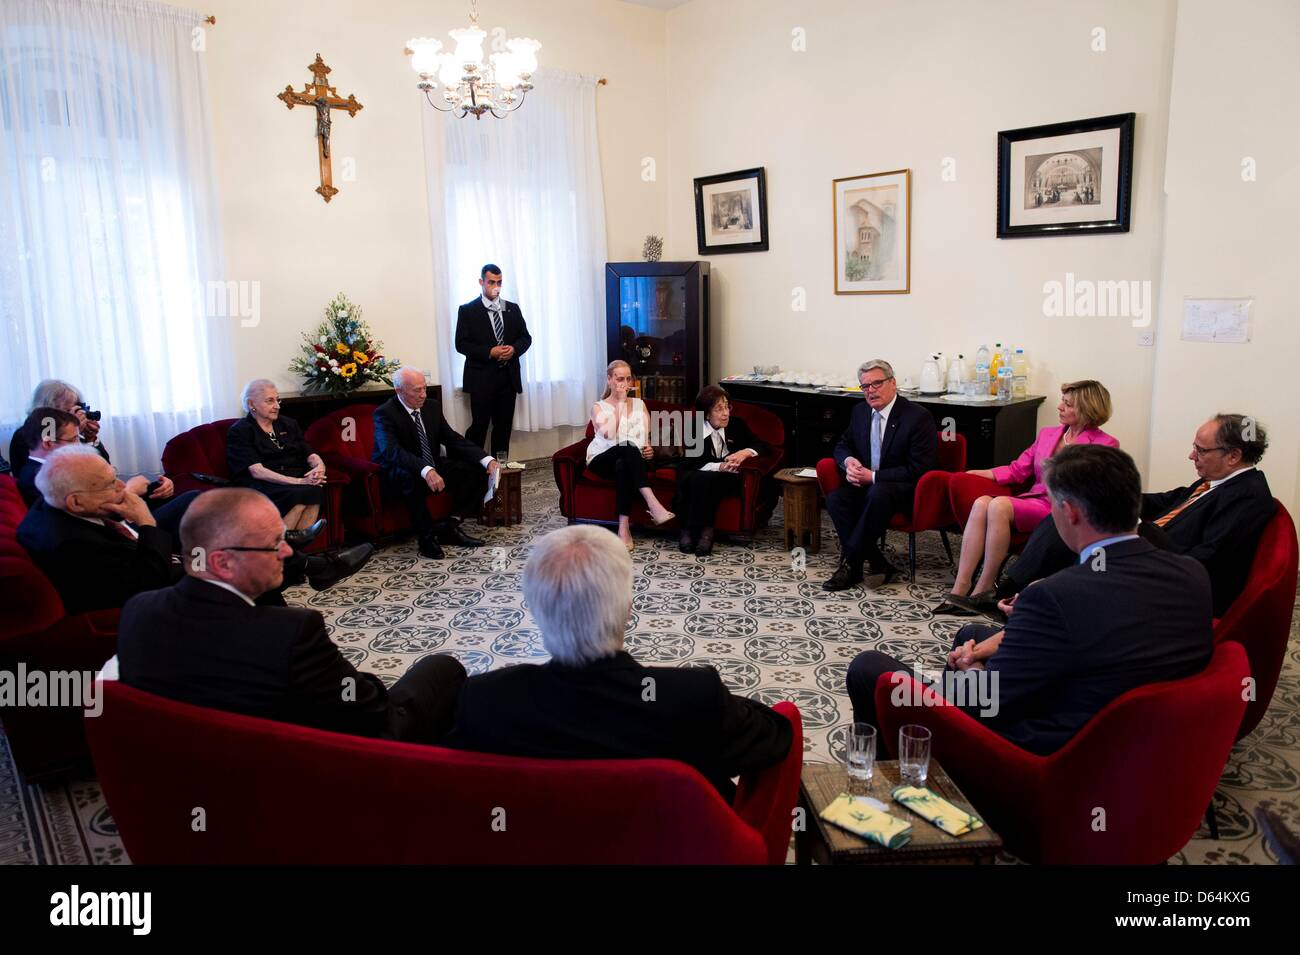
(206, 642)
(96, 540)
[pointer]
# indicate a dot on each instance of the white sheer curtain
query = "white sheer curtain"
(525, 192)
(108, 229)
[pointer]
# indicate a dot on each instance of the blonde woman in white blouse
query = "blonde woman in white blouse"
(620, 448)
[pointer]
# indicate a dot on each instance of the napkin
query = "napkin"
(855, 814)
(936, 810)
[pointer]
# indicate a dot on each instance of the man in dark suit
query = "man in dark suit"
(44, 432)
(1218, 520)
(592, 700)
(1124, 615)
(889, 444)
(409, 434)
(205, 642)
(492, 335)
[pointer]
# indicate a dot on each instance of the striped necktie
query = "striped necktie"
(498, 327)
(1197, 492)
(426, 453)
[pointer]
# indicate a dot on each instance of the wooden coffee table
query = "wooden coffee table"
(506, 506)
(830, 845)
(803, 522)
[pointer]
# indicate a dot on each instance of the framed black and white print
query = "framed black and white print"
(1067, 178)
(731, 212)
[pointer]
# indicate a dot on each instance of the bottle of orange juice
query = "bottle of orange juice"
(993, 368)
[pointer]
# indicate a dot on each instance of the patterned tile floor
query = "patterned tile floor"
(750, 611)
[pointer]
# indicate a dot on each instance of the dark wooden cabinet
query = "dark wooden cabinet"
(657, 320)
(995, 432)
(307, 408)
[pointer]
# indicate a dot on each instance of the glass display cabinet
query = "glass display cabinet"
(657, 320)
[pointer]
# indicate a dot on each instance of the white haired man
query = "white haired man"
(410, 433)
(592, 700)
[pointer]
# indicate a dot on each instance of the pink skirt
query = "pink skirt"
(1028, 512)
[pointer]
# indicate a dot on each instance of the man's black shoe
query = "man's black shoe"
(429, 548)
(300, 539)
(846, 575)
(453, 534)
(984, 604)
(334, 567)
(882, 569)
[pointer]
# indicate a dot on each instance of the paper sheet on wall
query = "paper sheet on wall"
(1217, 319)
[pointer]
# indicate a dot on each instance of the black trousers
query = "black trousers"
(466, 484)
(699, 493)
(625, 466)
(167, 515)
(422, 704)
(492, 402)
(861, 514)
(868, 666)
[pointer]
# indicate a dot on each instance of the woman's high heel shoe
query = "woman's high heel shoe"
(668, 516)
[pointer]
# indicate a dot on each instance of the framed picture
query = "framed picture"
(731, 212)
(1067, 178)
(873, 233)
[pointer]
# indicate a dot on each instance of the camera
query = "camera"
(90, 415)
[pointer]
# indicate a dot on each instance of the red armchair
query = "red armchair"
(1151, 760)
(931, 510)
(202, 449)
(585, 496)
(46, 741)
(1260, 618)
(271, 793)
(345, 439)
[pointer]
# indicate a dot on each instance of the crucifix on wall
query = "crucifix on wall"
(323, 97)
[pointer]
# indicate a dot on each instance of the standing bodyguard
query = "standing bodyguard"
(492, 335)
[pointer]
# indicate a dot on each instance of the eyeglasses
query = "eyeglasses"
(875, 385)
(274, 549)
(1201, 452)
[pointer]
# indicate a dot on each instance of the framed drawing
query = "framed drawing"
(1067, 178)
(873, 233)
(731, 212)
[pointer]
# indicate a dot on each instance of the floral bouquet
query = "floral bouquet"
(342, 354)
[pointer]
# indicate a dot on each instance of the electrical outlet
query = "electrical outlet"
(1146, 337)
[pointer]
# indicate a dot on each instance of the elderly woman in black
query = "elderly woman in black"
(726, 441)
(269, 454)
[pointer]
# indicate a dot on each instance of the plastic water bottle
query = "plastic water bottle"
(1004, 382)
(1019, 374)
(982, 370)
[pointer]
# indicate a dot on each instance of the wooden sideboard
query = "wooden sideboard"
(307, 408)
(995, 432)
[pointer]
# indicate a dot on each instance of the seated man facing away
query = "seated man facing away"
(206, 643)
(592, 700)
(1124, 615)
(1218, 520)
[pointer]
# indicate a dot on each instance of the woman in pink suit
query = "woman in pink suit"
(1084, 408)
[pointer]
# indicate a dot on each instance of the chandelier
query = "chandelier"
(468, 85)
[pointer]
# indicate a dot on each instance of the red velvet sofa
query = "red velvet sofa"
(1151, 760)
(45, 741)
(1260, 618)
(271, 793)
(202, 449)
(345, 439)
(931, 507)
(586, 496)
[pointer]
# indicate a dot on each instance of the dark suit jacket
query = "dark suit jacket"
(475, 339)
(397, 443)
(91, 566)
(738, 436)
(27, 481)
(203, 645)
(910, 445)
(599, 711)
(19, 452)
(1081, 637)
(1221, 529)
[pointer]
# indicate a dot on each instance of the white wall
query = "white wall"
(904, 84)
(1235, 83)
(372, 240)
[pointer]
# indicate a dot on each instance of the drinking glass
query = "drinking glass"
(913, 754)
(860, 759)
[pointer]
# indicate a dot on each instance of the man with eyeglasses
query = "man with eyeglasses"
(207, 642)
(1218, 519)
(889, 444)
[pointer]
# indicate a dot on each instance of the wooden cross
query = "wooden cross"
(323, 97)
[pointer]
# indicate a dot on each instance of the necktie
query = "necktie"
(498, 327)
(426, 453)
(719, 445)
(120, 528)
(1197, 492)
(875, 440)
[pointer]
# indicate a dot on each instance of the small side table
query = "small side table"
(820, 783)
(803, 522)
(506, 506)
